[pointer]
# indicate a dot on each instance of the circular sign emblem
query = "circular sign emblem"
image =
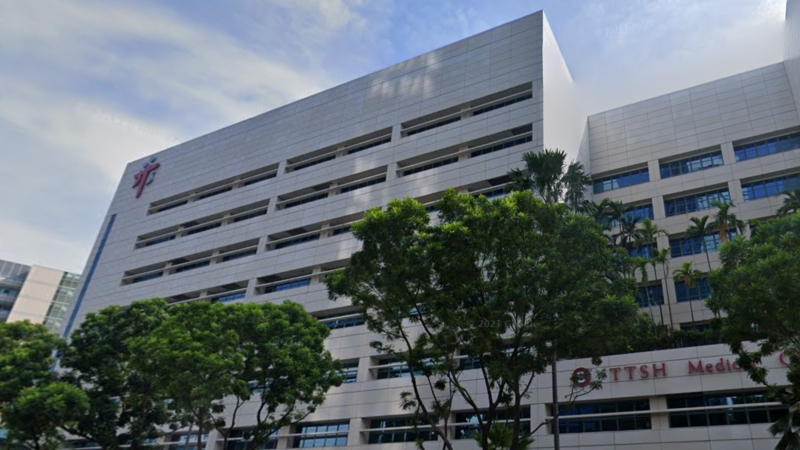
(581, 377)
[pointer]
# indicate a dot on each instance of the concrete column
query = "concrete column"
(211, 443)
(655, 170)
(735, 188)
(323, 233)
(262, 244)
(391, 171)
(282, 167)
(251, 288)
(658, 208)
(463, 156)
(397, 134)
(286, 441)
(728, 157)
(273, 205)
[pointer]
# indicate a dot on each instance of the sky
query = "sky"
(87, 86)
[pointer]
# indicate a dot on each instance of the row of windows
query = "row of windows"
(300, 240)
(621, 180)
(390, 436)
(693, 245)
(430, 166)
(470, 431)
(691, 164)
(770, 188)
(362, 185)
(287, 286)
(767, 147)
(653, 295)
(626, 422)
(322, 435)
(696, 202)
(751, 409)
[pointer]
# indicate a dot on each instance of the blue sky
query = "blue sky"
(88, 85)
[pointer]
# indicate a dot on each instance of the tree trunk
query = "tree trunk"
(723, 235)
(200, 433)
(669, 304)
(556, 436)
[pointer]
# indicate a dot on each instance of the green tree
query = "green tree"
(125, 407)
(544, 174)
(26, 356)
(34, 417)
(193, 358)
(758, 289)
(791, 204)
(700, 228)
(287, 369)
(725, 221)
(507, 284)
(648, 235)
(689, 276)
(662, 258)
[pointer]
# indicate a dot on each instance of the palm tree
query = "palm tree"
(689, 275)
(662, 257)
(724, 220)
(646, 235)
(791, 203)
(700, 228)
(641, 265)
(544, 174)
(790, 439)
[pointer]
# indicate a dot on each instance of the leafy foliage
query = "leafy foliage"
(495, 281)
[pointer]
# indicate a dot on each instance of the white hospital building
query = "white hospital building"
(261, 211)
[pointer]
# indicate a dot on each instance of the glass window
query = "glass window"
(767, 147)
(701, 290)
(378, 436)
(571, 422)
(691, 164)
(770, 188)
(695, 202)
(640, 212)
(239, 439)
(651, 295)
(621, 180)
(471, 430)
(322, 435)
(717, 415)
(686, 246)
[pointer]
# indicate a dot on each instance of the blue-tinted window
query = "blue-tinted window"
(287, 286)
(651, 295)
(692, 164)
(313, 198)
(686, 246)
(638, 212)
(378, 436)
(699, 291)
(770, 187)
(343, 230)
(362, 185)
(696, 202)
(501, 416)
(646, 251)
(239, 255)
(767, 147)
(239, 439)
(322, 435)
(750, 409)
(192, 266)
(300, 240)
(621, 180)
(231, 297)
(334, 323)
(350, 372)
(625, 422)
(430, 166)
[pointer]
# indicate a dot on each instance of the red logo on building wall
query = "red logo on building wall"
(145, 176)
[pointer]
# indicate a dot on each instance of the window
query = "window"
(334, 322)
(287, 286)
(701, 290)
(692, 164)
(621, 180)
(159, 240)
(313, 198)
(243, 254)
(203, 228)
(640, 212)
(368, 146)
(250, 216)
(181, 441)
(192, 266)
(696, 202)
(571, 422)
(400, 371)
(489, 194)
(240, 440)
(378, 436)
(646, 251)
(314, 163)
(502, 146)
(322, 435)
(502, 104)
(433, 165)
(737, 408)
(770, 188)
(438, 124)
(300, 240)
(214, 193)
(149, 276)
(362, 185)
(471, 430)
(686, 246)
(343, 230)
(767, 147)
(350, 372)
(651, 295)
(231, 297)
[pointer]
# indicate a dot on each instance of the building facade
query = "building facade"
(261, 211)
(36, 294)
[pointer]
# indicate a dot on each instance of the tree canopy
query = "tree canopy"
(499, 285)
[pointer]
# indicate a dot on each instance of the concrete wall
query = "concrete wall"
(36, 295)
(793, 47)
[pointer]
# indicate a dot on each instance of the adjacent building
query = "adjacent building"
(261, 211)
(36, 294)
